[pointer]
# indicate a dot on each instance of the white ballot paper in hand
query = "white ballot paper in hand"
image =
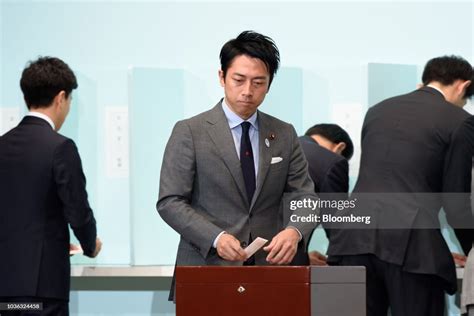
(75, 250)
(255, 246)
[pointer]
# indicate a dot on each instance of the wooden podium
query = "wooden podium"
(254, 290)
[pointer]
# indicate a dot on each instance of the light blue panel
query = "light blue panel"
(113, 209)
(70, 128)
(157, 102)
(448, 234)
(454, 246)
(81, 125)
(120, 303)
(319, 241)
(196, 98)
(389, 80)
(285, 98)
(316, 102)
(11, 91)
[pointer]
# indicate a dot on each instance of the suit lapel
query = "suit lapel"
(221, 135)
(265, 154)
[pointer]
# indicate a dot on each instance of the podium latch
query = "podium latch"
(241, 289)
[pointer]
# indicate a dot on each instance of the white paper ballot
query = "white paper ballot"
(255, 246)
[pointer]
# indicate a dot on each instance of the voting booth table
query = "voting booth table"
(270, 290)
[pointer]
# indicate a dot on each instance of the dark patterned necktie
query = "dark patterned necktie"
(246, 161)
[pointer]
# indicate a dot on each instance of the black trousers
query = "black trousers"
(51, 307)
(407, 294)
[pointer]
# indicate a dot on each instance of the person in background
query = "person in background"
(42, 191)
(413, 162)
(328, 148)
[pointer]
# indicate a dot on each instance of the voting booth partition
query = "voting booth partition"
(265, 290)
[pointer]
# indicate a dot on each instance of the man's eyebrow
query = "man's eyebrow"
(254, 78)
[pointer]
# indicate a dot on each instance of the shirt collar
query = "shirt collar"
(234, 120)
(437, 89)
(42, 116)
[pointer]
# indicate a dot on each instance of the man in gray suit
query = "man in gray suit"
(225, 171)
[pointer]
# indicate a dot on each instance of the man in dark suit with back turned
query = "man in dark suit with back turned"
(42, 190)
(328, 148)
(410, 155)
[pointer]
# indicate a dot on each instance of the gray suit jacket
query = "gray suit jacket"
(202, 190)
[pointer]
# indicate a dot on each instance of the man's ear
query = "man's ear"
(221, 77)
(339, 148)
(463, 87)
(59, 99)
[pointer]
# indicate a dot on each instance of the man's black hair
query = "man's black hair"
(335, 134)
(43, 79)
(448, 69)
(252, 44)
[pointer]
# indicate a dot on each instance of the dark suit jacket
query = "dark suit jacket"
(330, 174)
(329, 171)
(42, 189)
(412, 151)
(466, 131)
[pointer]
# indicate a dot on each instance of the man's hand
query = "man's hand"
(228, 248)
(317, 259)
(74, 249)
(459, 259)
(98, 247)
(283, 246)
